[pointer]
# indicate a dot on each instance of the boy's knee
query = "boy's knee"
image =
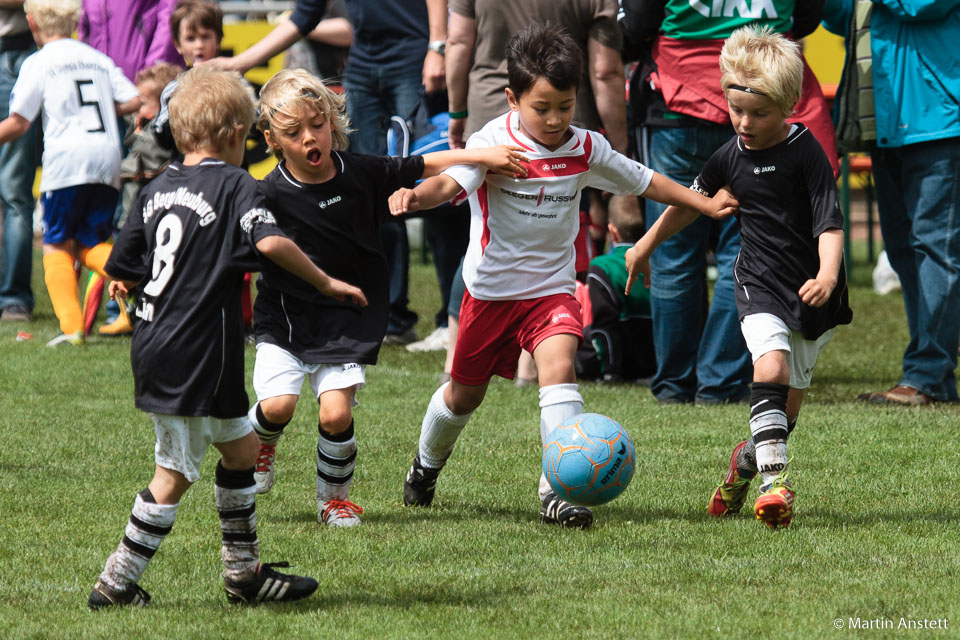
(463, 399)
(279, 409)
(335, 420)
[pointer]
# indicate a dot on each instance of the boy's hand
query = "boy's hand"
(816, 291)
(402, 201)
(637, 264)
(117, 288)
(340, 290)
(505, 160)
(721, 205)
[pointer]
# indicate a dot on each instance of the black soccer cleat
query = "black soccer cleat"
(103, 596)
(270, 586)
(419, 485)
(553, 510)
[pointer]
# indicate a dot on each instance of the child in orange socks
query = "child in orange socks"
(79, 92)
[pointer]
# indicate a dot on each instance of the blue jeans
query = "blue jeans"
(18, 166)
(918, 196)
(701, 354)
(447, 229)
(373, 96)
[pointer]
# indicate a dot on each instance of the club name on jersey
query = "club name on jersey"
(539, 197)
(183, 197)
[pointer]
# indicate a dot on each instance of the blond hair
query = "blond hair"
(161, 73)
(296, 94)
(54, 17)
(764, 62)
(207, 107)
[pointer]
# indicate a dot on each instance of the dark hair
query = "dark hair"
(543, 50)
(196, 13)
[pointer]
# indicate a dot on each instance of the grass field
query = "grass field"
(874, 538)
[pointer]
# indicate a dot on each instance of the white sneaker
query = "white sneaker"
(263, 473)
(339, 513)
(438, 340)
(885, 279)
(76, 339)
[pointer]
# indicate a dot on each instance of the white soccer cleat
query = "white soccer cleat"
(339, 513)
(263, 473)
(76, 339)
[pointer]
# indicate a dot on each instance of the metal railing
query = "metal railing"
(258, 9)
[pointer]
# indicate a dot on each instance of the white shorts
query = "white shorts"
(765, 332)
(278, 372)
(182, 441)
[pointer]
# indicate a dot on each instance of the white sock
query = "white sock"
(148, 525)
(439, 431)
(557, 403)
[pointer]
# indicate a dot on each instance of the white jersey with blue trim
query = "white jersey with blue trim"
(522, 230)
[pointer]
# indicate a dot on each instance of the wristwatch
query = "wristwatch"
(437, 46)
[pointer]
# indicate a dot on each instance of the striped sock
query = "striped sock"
(148, 525)
(768, 424)
(336, 459)
(268, 432)
(235, 493)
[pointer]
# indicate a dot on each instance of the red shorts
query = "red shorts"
(492, 333)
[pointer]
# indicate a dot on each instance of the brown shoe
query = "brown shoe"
(898, 395)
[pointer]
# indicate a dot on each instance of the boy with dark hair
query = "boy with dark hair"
(519, 267)
(791, 288)
(197, 228)
(619, 334)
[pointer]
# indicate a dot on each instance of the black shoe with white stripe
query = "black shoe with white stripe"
(270, 586)
(103, 596)
(553, 510)
(419, 485)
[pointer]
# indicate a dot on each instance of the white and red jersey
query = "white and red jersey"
(522, 230)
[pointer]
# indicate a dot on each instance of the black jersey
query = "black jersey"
(188, 243)
(337, 224)
(788, 197)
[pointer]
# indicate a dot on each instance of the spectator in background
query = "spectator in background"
(134, 33)
(18, 166)
(914, 72)
(476, 62)
(701, 355)
(323, 52)
(306, 15)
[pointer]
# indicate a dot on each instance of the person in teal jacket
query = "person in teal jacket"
(906, 52)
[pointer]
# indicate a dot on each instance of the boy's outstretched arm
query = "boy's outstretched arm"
(816, 291)
(288, 255)
(426, 195)
(502, 159)
(663, 189)
(638, 256)
(13, 127)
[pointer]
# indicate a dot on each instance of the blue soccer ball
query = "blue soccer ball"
(589, 459)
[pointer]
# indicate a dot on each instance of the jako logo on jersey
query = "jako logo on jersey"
(554, 167)
(759, 170)
(329, 201)
(559, 316)
(541, 196)
(751, 9)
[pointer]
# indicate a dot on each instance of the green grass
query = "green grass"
(875, 533)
